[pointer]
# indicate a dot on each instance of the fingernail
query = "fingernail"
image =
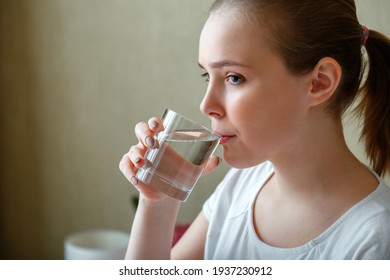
(149, 142)
(134, 180)
(154, 124)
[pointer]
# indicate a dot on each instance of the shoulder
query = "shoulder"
(375, 208)
(364, 230)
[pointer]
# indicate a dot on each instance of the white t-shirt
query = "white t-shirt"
(363, 232)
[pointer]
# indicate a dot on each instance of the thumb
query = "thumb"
(212, 163)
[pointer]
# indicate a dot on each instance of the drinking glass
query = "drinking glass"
(175, 163)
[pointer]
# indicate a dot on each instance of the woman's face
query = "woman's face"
(252, 100)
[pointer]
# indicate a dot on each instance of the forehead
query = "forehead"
(232, 37)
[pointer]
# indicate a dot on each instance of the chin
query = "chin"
(240, 162)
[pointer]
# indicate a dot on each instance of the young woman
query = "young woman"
(280, 76)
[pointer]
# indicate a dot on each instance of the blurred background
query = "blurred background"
(75, 78)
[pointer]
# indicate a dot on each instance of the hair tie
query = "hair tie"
(366, 33)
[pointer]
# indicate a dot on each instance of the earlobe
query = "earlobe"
(325, 80)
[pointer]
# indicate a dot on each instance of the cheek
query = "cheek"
(264, 126)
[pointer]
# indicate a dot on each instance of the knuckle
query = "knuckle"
(138, 126)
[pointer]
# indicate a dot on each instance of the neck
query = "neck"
(320, 164)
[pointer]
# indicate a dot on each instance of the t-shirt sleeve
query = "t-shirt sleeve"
(375, 244)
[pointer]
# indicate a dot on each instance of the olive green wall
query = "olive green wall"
(75, 77)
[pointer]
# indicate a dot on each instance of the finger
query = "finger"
(127, 167)
(136, 155)
(144, 134)
(155, 125)
(212, 163)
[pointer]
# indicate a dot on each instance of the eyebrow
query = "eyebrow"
(223, 63)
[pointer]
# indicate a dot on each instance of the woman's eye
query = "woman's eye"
(206, 76)
(235, 79)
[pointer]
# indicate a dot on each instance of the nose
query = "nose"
(212, 103)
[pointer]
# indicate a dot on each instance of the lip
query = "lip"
(225, 139)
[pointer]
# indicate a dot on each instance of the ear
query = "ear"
(325, 79)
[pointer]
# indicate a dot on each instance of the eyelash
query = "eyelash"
(206, 76)
(241, 79)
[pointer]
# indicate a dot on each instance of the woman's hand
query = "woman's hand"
(134, 159)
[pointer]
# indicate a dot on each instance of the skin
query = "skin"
(264, 113)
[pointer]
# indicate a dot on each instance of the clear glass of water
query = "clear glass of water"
(176, 162)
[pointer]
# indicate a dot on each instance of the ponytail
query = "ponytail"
(374, 106)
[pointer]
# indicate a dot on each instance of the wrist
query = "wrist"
(165, 203)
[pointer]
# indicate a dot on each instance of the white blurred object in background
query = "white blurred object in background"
(97, 244)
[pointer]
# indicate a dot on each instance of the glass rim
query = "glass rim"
(192, 121)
